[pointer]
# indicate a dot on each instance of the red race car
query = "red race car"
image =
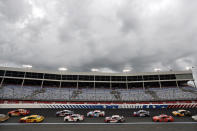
(163, 118)
(19, 112)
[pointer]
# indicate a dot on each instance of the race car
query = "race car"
(74, 117)
(114, 119)
(32, 119)
(163, 118)
(181, 113)
(96, 113)
(194, 118)
(64, 113)
(19, 112)
(3, 117)
(141, 113)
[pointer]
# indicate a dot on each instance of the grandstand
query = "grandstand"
(26, 84)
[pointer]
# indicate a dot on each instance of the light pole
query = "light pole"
(27, 67)
(62, 69)
(126, 71)
(158, 70)
(94, 70)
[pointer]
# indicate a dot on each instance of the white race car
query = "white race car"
(194, 117)
(114, 119)
(74, 117)
(96, 113)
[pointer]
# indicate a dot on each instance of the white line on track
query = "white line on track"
(133, 123)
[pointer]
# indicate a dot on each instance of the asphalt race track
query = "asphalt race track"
(52, 123)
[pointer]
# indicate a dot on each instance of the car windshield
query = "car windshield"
(37, 116)
(115, 117)
(31, 118)
(2, 115)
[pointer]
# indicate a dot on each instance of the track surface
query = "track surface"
(52, 122)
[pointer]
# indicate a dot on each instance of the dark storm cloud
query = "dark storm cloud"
(105, 34)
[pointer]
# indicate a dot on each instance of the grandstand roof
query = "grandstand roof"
(96, 73)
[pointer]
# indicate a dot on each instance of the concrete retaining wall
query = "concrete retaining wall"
(101, 106)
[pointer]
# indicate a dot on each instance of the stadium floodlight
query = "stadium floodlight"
(27, 66)
(188, 68)
(62, 69)
(126, 70)
(157, 69)
(94, 70)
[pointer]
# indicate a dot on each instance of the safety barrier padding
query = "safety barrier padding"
(101, 106)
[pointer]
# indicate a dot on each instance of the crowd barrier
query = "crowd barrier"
(101, 106)
(97, 105)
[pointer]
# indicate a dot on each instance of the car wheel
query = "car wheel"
(188, 114)
(157, 120)
(34, 121)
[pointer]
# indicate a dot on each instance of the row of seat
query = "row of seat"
(51, 93)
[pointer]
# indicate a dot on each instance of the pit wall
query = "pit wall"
(100, 105)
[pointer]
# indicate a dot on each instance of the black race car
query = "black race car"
(141, 113)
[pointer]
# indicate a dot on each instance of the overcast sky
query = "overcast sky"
(106, 34)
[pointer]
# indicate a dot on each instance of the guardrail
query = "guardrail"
(101, 106)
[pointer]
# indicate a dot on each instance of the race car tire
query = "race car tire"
(21, 121)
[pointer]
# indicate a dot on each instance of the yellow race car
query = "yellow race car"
(181, 113)
(32, 119)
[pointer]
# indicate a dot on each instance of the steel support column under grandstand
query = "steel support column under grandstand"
(77, 81)
(159, 81)
(127, 82)
(3, 79)
(177, 84)
(143, 82)
(23, 80)
(42, 81)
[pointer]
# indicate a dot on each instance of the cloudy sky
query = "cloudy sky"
(106, 34)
